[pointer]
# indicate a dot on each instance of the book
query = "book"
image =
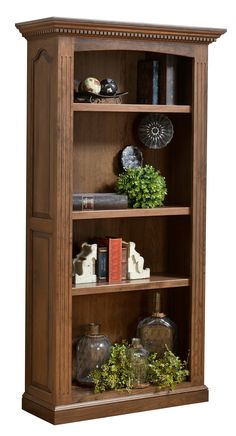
(124, 261)
(99, 201)
(101, 264)
(148, 81)
(168, 79)
(114, 261)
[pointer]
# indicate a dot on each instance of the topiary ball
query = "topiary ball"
(144, 186)
(108, 87)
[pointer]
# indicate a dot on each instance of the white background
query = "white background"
(206, 418)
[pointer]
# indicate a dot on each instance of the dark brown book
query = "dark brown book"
(124, 261)
(99, 201)
(148, 81)
(102, 263)
(168, 79)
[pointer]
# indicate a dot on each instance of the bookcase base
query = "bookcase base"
(90, 410)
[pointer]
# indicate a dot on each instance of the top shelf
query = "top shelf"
(106, 107)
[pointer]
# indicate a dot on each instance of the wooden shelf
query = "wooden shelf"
(101, 107)
(154, 282)
(130, 213)
(84, 394)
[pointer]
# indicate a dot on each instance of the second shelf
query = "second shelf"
(129, 213)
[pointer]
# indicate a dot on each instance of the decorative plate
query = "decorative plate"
(155, 131)
(131, 157)
(91, 97)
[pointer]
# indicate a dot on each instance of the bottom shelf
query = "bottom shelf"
(90, 406)
(84, 395)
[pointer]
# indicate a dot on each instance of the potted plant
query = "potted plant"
(144, 186)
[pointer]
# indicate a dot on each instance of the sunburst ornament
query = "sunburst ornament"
(155, 131)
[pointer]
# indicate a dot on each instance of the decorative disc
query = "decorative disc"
(155, 131)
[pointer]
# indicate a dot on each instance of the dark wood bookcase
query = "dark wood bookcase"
(74, 147)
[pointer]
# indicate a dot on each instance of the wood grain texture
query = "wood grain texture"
(123, 405)
(42, 164)
(130, 213)
(41, 327)
(76, 148)
(88, 107)
(115, 30)
(97, 152)
(199, 216)
(63, 227)
(39, 222)
(155, 282)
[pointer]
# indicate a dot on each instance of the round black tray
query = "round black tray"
(91, 97)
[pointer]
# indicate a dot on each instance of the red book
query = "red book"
(114, 260)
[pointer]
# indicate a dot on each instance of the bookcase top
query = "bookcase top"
(116, 30)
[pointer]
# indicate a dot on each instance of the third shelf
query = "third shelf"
(154, 282)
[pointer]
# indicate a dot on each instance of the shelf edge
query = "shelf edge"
(106, 107)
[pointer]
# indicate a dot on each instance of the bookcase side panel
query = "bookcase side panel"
(42, 56)
(199, 215)
(63, 224)
(48, 304)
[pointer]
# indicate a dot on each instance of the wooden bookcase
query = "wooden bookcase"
(74, 147)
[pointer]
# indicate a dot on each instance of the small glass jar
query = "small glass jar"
(157, 332)
(92, 351)
(138, 358)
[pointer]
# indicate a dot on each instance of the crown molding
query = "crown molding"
(114, 30)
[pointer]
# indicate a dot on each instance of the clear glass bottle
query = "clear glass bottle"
(92, 351)
(138, 358)
(157, 331)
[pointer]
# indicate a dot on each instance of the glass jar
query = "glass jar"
(92, 351)
(157, 332)
(138, 358)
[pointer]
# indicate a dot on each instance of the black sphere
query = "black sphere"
(108, 87)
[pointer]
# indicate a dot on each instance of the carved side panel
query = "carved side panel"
(198, 218)
(40, 219)
(41, 135)
(41, 323)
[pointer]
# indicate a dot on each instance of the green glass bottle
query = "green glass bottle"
(157, 331)
(138, 358)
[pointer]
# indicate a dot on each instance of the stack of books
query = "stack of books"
(112, 259)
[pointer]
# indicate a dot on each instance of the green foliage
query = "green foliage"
(116, 374)
(167, 371)
(145, 187)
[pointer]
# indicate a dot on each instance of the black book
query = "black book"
(99, 201)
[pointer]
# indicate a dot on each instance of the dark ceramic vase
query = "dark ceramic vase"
(92, 351)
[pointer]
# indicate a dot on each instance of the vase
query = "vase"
(138, 358)
(92, 351)
(157, 332)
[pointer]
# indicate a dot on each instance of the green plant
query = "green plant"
(167, 371)
(116, 373)
(145, 187)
